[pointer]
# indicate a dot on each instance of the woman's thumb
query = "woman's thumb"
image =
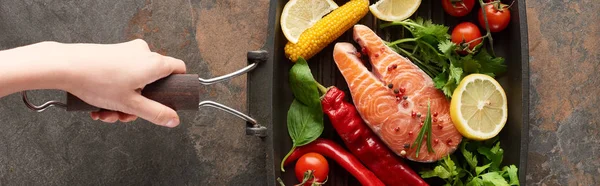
(154, 112)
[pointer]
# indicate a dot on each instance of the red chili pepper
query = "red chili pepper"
(365, 144)
(336, 152)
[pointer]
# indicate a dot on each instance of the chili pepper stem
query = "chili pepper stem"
(321, 88)
(286, 156)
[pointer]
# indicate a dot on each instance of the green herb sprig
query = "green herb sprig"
(477, 164)
(425, 130)
(430, 48)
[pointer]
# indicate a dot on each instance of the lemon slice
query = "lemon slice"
(478, 107)
(394, 10)
(299, 15)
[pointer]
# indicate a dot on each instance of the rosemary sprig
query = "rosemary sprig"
(425, 129)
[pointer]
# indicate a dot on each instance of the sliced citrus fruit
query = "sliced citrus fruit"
(299, 15)
(478, 107)
(394, 10)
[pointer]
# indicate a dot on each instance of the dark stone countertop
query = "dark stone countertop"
(56, 147)
(61, 148)
(564, 132)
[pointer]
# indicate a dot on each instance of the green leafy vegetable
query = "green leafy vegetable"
(425, 130)
(479, 166)
(431, 50)
(480, 169)
(470, 158)
(446, 170)
(305, 116)
(493, 155)
(489, 64)
(493, 178)
(511, 171)
(476, 181)
(303, 84)
(305, 123)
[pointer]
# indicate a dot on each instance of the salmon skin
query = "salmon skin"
(393, 98)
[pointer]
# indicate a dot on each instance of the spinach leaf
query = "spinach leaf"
(305, 123)
(303, 84)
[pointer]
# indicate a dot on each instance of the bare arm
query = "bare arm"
(31, 67)
(108, 76)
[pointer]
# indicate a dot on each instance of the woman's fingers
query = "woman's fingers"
(112, 116)
(153, 111)
(95, 115)
(124, 117)
(108, 116)
(177, 65)
(166, 66)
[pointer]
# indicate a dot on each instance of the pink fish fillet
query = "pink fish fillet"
(396, 114)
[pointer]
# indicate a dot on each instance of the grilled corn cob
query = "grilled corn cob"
(326, 30)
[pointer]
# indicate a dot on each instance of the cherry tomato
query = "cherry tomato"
(466, 32)
(498, 17)
(315, 162)
(458, 8)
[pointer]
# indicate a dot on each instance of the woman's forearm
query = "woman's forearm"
(36, 66)
(108, 76)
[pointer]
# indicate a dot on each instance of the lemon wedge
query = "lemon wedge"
(394, 10)
(299, 15)
(478, 107)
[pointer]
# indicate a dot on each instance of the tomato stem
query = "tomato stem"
(511, 4)
(487, 27)
(479, 38)
(454, 2)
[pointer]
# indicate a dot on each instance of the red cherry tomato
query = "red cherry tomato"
(466, 32)
(498, 17)
(458, 8)
(315, 162)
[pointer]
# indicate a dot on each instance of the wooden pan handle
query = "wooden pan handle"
(178, 91)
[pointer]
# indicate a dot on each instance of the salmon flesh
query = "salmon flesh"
(392, 99)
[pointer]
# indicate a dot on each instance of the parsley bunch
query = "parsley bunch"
(477, 164)
(431, 50)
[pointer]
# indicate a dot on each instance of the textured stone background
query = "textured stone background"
(210, 147)
(61, 148)
(564, 131)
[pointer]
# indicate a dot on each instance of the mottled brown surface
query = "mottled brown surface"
(68, 148)
(564, 132)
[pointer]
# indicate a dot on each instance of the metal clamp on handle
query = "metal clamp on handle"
(253, 57)
(42, 107)
(252, 126)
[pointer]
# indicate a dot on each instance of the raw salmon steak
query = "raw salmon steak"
(392, 99)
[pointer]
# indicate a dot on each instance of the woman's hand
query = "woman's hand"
(111, 76)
